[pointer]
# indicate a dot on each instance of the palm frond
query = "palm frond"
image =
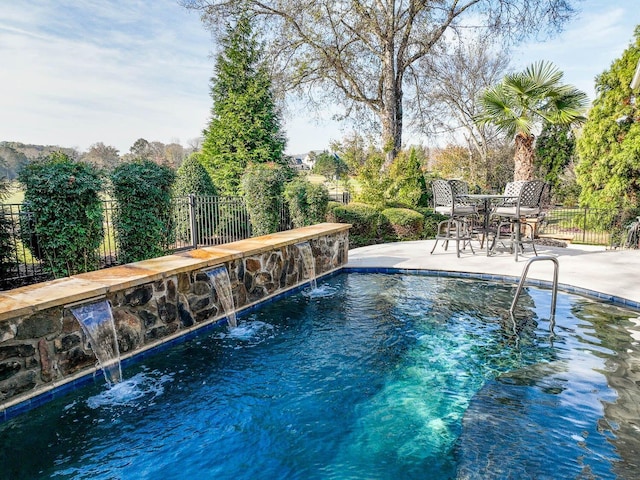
(523, 99)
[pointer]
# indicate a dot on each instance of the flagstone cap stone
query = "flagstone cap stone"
(65, 291)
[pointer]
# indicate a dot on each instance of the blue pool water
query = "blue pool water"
(370, 376)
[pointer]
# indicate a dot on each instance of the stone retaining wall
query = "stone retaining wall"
(42, 345)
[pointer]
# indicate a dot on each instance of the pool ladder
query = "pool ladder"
(523, 278)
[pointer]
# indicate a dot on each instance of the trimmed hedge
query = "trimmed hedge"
(307, 202)
(365, 221)
(142, 219)
(63, 197)
(364, 218)
(192, 178)
(403, 223)
(392, 224)
(330, 207)
(262, 188)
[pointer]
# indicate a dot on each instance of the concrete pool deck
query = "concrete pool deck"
(611, 272)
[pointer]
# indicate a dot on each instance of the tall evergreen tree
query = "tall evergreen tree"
(554, 150)
(609, 148)
(245, 125)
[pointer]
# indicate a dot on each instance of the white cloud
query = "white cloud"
(110, 72)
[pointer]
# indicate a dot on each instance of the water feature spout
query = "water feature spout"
(309, 262)
(220, 279)
(96, 320)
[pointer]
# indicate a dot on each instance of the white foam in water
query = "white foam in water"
(253, 332)
(322, 291)
(250, 330)
(131, 392)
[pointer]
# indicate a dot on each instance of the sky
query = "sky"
(77, 72)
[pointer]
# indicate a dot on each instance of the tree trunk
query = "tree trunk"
(523, 158)
(391, 119)
(391, 111)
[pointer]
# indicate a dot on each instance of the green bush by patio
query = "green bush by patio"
(431, 221)
(364, 219)
(403, 223)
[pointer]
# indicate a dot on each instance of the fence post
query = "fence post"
(192, 220)
(584, 230)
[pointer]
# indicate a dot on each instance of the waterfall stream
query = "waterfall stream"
(220, 279)
(97, 323)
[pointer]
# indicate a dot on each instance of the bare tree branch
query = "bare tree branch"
(362, 52)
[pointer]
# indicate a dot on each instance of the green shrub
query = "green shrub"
(394, 204)
(431, 221)
(62, 196)
(374, 183)
(365, 221)
(142, 220)
(408, 185)
(192, 178)
(307, 202)
(331, 206)
(262, 186)
(405, 224)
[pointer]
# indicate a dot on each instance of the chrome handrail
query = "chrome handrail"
(554, 291)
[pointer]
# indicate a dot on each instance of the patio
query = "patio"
(611, 272)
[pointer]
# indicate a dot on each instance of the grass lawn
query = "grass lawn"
(334, 187)
(16, 194)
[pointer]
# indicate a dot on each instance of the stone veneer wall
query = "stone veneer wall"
(42, 345)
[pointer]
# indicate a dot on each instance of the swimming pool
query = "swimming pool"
(369, 376)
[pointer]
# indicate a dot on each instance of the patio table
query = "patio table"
(487, 199)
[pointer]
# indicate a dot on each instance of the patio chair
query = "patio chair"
(459, 187)
(515, 215)
(459, 226)
(512, 192)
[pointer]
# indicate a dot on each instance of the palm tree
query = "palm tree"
(519, 104)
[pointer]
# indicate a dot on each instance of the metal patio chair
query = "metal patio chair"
(459, 226)
(515, 214)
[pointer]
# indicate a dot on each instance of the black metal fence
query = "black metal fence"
(207, 220)
(340, 197)
(196, 221)
(584, 225)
